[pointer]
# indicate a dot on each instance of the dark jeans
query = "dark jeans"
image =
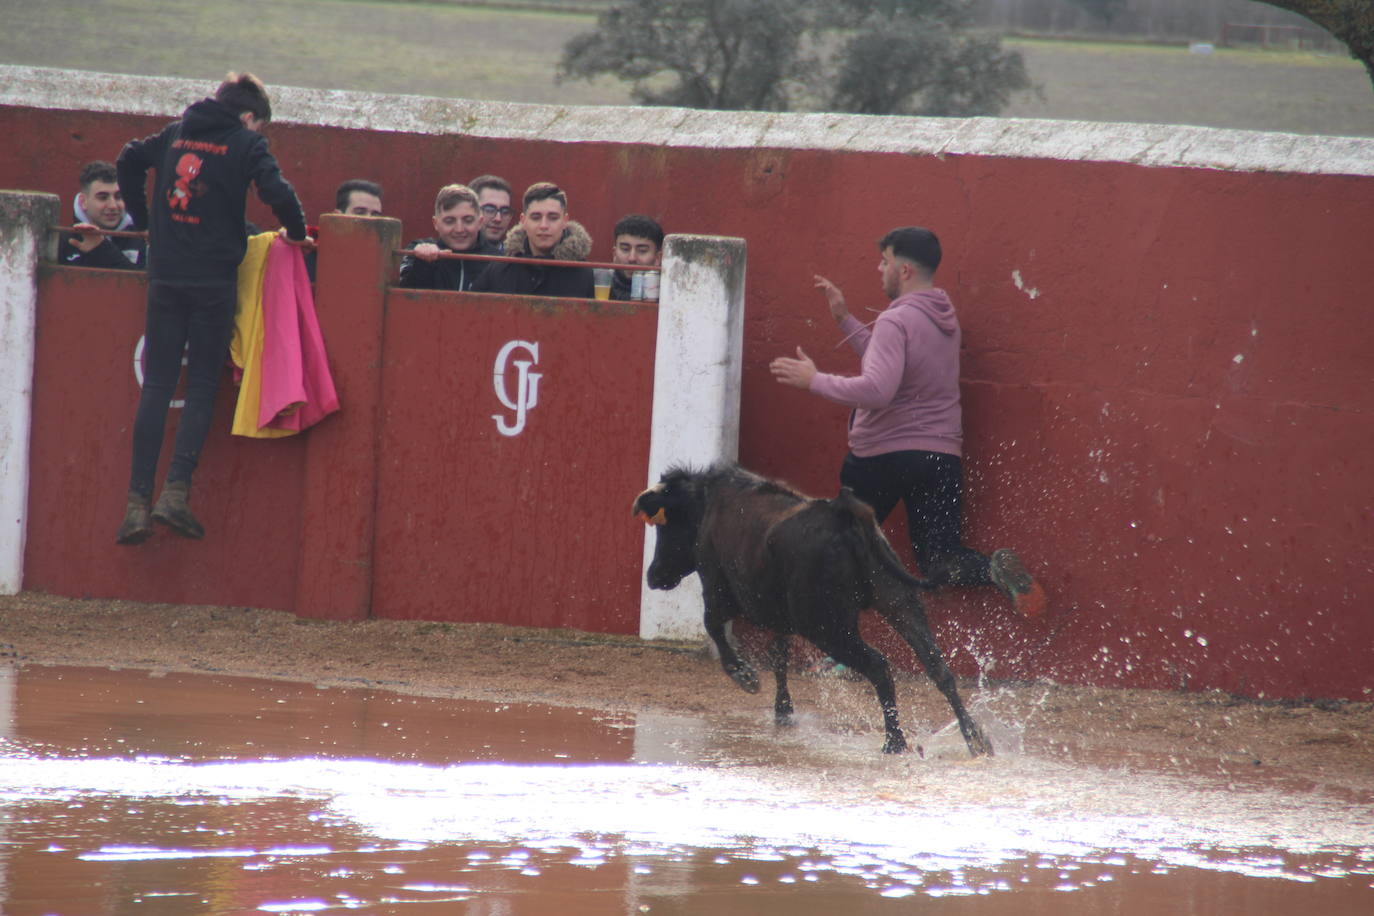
(931, 486)
(200, 321)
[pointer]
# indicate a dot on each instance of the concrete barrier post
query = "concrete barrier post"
(24, 239)
(696, 393)
(339, 498)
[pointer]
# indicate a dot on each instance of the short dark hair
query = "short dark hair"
(641, 227)
(915, 243)
(99, 170)
(451, 195)
(345, 191)
(482, 182)
(544, 190)
(245, 92)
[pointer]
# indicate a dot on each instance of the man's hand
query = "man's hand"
(88, 242)
(833, 298)
(307, 243)
(427, 251)
(795, 372)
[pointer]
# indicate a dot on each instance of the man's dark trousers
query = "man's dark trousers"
(199, 321)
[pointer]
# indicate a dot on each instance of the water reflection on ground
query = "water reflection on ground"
(127, 792)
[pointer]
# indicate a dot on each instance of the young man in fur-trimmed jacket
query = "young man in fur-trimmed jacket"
(545, 232)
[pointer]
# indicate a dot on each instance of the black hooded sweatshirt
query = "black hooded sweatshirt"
(204, 163)
(445, 273)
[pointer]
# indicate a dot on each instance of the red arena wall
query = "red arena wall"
(1166, 377)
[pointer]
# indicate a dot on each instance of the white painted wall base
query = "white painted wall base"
(696, 393)
(24, 237)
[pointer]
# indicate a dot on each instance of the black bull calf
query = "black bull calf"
(790, 564)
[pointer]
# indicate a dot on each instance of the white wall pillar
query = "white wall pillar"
(24, 238)
(696, 393)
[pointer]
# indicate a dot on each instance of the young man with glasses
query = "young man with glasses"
(494, 199)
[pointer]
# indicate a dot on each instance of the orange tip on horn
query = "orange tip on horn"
(658, 518)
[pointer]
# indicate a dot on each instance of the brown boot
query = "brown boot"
(172, 509)
(137, 526)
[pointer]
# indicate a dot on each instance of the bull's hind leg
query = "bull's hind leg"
(849, 649)
(778, 653)
(908, 618)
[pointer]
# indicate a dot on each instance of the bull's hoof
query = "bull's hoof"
(783, 719)
(745, 677)
(895, 743)
(978, 745)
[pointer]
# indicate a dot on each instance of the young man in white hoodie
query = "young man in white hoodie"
(906, 432)
(100, 205)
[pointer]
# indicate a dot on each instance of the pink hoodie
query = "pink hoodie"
(907, 394)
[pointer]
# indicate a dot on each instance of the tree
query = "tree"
(1352, 21)
(868, 56)
(1106, 10)
(726, 54)
(916, 57)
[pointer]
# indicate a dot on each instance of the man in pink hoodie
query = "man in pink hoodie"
(905, 432)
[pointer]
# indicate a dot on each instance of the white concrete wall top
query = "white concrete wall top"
(1156, 145)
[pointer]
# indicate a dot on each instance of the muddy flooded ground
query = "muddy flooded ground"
(406, 767)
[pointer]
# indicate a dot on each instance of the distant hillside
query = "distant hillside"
(457, 49)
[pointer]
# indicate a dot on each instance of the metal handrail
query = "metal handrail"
(542, 262)
(444, 254)
(113, 233)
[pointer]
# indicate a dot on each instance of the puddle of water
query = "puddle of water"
(123, 792)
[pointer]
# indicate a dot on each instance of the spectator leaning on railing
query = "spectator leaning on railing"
(638, 239)
(100, 205)
(354, 197)
(458, 222)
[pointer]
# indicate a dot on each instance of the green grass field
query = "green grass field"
(511, 55)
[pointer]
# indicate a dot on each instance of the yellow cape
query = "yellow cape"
(246, 348)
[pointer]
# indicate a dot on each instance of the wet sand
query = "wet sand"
(1324, 747)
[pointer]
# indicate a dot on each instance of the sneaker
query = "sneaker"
(1009, 574)
(174, 511)
(137, 526)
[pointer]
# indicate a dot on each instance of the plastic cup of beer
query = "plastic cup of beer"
(601, 281)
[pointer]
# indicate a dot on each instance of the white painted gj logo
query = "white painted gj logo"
(138, 368)
(526, 385)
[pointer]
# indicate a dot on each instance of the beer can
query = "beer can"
(637, 285)
(651, 286)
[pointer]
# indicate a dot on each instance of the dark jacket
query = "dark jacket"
(528, 278)
(112, 253)
(620, 286)
(205, 163)
(445, 273)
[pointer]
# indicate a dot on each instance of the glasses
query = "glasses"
(492, 210)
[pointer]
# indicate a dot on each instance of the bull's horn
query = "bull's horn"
(658, 518)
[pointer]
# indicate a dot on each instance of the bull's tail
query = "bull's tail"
(869, 540)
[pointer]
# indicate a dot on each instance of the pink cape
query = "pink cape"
(297, 389)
